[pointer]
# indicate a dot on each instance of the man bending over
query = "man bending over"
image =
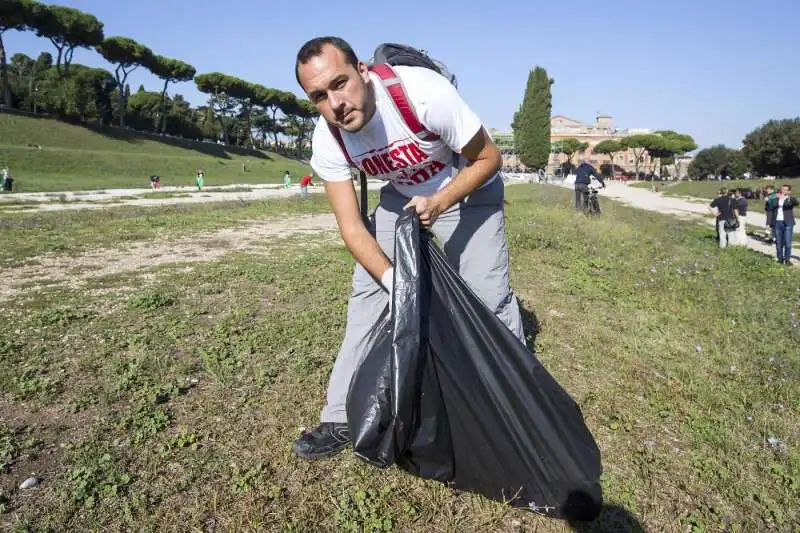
(450, 177)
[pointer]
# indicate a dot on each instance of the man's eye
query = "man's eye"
(339, 84)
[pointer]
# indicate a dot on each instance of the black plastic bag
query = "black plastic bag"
(447, 392)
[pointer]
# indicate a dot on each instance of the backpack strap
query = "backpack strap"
(394, 86)
(362, 177)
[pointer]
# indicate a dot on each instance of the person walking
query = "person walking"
(583, 178)
(724, 208)
(769, 212)
(741, 205)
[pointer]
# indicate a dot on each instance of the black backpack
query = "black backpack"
(401, 54)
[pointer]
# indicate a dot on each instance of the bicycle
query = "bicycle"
(592, 203)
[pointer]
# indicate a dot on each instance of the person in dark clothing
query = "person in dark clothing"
(583, 177)
(740, 203)
(770, 197)
(724, 207)
(783, 206)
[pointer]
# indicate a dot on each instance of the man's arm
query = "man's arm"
(483, 162)
(362, 245)
(443, 112)
(329, 163)
(598, 176)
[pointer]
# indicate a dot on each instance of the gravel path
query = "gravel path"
(103, 199)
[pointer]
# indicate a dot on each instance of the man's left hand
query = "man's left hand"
(428, 209)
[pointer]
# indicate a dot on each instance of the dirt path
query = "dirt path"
(103, 199)
(77, 272)
(694, 209)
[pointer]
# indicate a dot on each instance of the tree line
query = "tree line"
(237, 112)
(772, 149)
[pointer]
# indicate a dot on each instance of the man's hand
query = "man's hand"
(428, 209)
(483, 161)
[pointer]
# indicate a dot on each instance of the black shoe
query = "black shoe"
(325, 440)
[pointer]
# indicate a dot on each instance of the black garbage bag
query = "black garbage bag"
(447, 392)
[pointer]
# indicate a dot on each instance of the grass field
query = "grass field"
(83, 157)
(167, 399)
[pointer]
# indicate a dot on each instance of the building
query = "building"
(561, 128)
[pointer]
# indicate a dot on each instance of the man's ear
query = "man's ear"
(363, 71)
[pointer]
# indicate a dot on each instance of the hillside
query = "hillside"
(44, 154)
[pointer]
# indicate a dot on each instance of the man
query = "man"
(724, 207)
(784, 223)
(769, 211)
(460, 199)
(583, 177)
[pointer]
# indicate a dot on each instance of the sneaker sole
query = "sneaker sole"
(319, 455)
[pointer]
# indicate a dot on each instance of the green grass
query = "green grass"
(91, 157)
(171, 403)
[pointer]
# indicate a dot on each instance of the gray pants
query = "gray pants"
(581, 196)
(472, 234)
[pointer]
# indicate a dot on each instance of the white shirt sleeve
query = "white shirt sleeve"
(440, 107)
(327, 158)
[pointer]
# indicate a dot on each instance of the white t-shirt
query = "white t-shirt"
(386, 149)
(779, 211)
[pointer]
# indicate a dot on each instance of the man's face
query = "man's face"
(785, 191)
(341, 93)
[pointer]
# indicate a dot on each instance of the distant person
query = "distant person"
(724, 208)
(740, 203)
(287, 180)
(155, 182)
(784, 223)
(7, 182)
(305, 183)
(583, 178)
(770, 197)
(199, 179)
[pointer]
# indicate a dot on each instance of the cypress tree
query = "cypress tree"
(532, 121)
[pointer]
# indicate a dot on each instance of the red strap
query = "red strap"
(338, 136)
(394, 86)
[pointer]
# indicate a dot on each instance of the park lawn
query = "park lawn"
(170, 402)
(74, 157)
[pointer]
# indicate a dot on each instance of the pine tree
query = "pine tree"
(532, 121)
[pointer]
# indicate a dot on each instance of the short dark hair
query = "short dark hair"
(314, 47)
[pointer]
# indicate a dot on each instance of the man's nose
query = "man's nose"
(334, 101)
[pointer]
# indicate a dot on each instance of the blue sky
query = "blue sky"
(709, 68)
